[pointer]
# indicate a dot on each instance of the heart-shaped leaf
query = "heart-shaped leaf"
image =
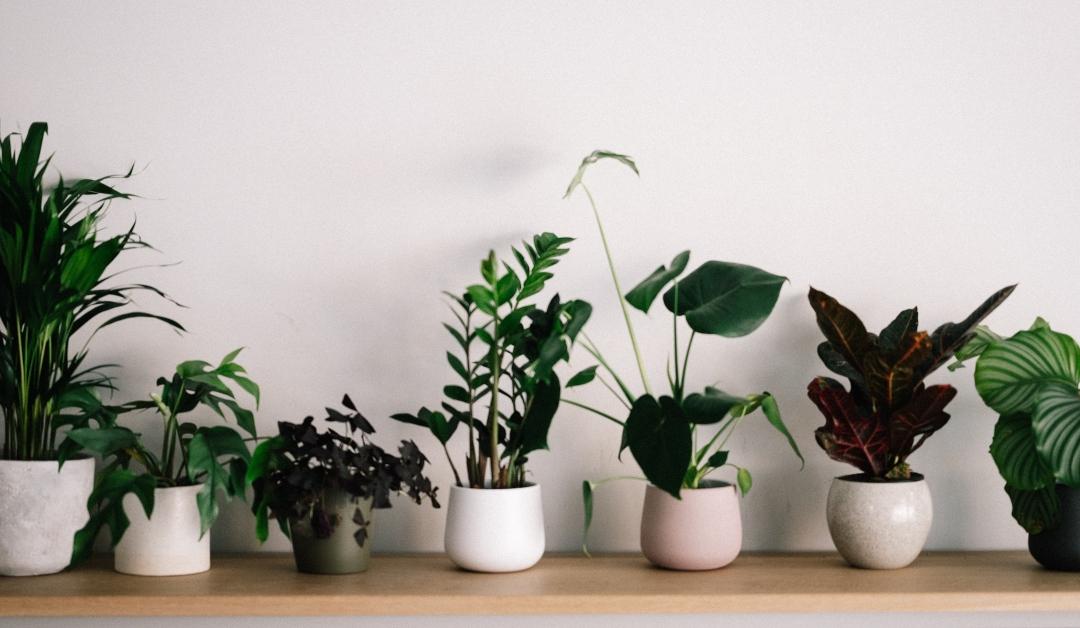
(725, 299)
(661, 444)
(1010, 373)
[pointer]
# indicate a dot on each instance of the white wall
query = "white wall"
(324, 170)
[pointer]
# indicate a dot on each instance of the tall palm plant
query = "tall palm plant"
(53, 283)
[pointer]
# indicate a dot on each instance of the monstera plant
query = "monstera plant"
(662, 430)
(888, 412)
(1030, 379)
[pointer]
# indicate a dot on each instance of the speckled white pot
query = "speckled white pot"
(495, 530)
(879, 525)
(41, 508)
(168, 543)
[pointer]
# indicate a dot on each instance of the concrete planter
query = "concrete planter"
(702, 530)
(339, 553)
(42, 506)
(879, 525)
(495, 530)
(168, 543)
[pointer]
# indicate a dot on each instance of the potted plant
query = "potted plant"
(321, 487)
(880, 518)
(54, 282)
(1030, 379)
(159, 506)
(507, 395)
(689, 521)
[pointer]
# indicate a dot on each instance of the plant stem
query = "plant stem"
(618, 291)
(677, 387)
(594, 411)
(590, 346)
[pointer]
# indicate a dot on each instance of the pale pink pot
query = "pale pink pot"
(702, 530)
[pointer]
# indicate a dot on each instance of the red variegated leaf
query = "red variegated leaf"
(851, 434)
(842, 328)
(951, 336)
(891, 380)
(923, 416)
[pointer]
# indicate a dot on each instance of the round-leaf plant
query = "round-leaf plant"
(1031, 380)
(662, 430)
(190, 454)
(293, 471)
(888, 412)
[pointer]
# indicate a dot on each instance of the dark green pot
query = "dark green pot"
(339, 553)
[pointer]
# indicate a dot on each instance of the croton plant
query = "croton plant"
(888, 412)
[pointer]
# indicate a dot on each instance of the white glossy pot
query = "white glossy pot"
(495, 530)
(42, 506)
(168, 543)
(879, 525)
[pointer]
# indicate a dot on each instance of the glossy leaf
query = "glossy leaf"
(1036, 510)
(205, 453)
(844, 331)
(582, 377)
(1056, 423)
(643, 294)
(1016, 455)
(771, 410)
(725, 299)
(710, 407)
(107, 502)
(660, 442)
(850, 434)
(950, 337)
(921, 417)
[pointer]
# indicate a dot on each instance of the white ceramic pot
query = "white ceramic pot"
(168, 543)
(495, 530)
(42, 506)
(879, 525)
(700, 530)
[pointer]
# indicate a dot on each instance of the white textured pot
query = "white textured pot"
(495, 530)
(879, 525)
(168, 543)
(42, 506)
(700, 530)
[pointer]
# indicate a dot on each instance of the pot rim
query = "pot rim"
(488, 489)
(866, 478)
(78, 458)
(712, 486)
(199, 486)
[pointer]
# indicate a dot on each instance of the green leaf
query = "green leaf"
(725, 299)
(205, 453)
(710, 407)
(1015, 453)
(587, 500)
(104, 441)
(1036, 511)
(506, 288)
(538, 417)
(718, 459)
(437, 423)
(582, 377)
(660, 441)
(1056, 423)
(262, 457)
(106, 505)
(771, 411)
(983, 338)
(457, 393)
(594, 157)
(1010, 374)
(643, 294)
(459, 368)
(742, 477)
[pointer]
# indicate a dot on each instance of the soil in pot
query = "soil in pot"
(338, 553)
(879, 524)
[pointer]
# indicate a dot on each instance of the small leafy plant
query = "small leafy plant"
(292, 472)
(661, 431)
(216, 457)
(508, 390)
(54, 282)
(1031, 380)
(889, 412)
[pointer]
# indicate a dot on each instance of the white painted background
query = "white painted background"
(323, 170)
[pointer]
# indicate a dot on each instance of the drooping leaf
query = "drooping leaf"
(594, 157)
(643, 294)
(209, 450)
(537, 420)
(1036, 510)
(106, 506)
(1010, 373)
(725, 299)
(744, 480)
(850, 434)
(771, 410)
(1016, 455)
(582, 377)
(710, 407)
(660, 441)
(587, 502)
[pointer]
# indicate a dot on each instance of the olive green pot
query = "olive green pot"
(339, 553)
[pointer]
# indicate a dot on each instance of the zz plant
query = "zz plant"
(216, 456)
(1031, 380)
(888, 412)
(662, 430)
(293, 472)
(54, 283)
(507, 391)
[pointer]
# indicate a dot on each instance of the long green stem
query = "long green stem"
(590, 347)
(618, 291)
(594, 411)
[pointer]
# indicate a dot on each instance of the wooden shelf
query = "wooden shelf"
(267, 584)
